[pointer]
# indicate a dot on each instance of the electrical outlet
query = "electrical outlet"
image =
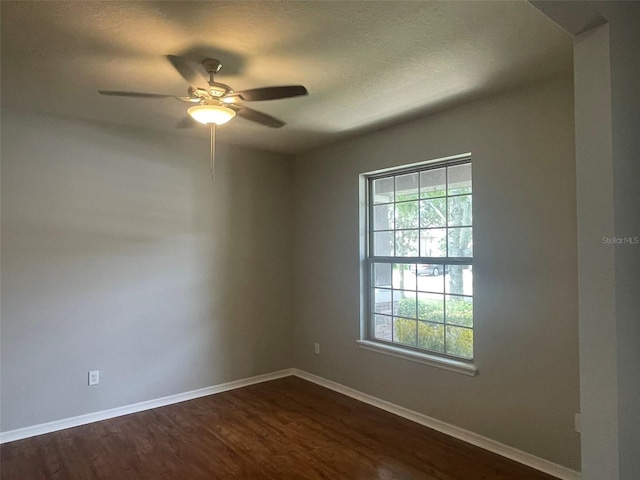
(576, 422)
(94, 377)
(316, 348)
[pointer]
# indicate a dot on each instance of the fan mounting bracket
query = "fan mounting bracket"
(212, 65)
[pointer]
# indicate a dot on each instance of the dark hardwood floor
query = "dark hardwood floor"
(286, 429)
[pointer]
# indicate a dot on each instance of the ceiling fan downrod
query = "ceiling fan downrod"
(212, 152)
(211, 66)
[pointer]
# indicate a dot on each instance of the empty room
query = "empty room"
(301, 240)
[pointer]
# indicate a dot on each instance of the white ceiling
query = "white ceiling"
(365, 63)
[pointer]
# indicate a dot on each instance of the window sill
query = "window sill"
(450, 364)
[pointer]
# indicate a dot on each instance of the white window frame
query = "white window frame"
(367, 340)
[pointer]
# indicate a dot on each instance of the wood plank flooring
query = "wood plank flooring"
(286, 429)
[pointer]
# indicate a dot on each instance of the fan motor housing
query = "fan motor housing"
(218, 90)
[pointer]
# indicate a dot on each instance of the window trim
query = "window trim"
(366, 341)
(446, 363)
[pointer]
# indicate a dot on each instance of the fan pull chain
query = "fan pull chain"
(213, 151)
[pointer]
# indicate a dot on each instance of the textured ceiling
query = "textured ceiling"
(365, 63)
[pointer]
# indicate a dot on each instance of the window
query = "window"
(420, 259)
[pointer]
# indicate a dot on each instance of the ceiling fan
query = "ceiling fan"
(218, 103)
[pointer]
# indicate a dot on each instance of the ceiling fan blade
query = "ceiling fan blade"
(187, 72)
(113, 93)
(269, 93)
(258, 117)
(186, 122)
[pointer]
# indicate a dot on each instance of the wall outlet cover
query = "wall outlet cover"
(94, 377)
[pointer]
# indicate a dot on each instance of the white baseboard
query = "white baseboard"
(511, 453)
(20, 433)
(519, 456)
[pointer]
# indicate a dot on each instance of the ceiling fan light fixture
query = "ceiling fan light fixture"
(211, 114)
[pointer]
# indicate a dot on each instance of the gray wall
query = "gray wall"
(120, 254)
(625, 108)
(607, 74)
(526, 340)
(596, 261)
